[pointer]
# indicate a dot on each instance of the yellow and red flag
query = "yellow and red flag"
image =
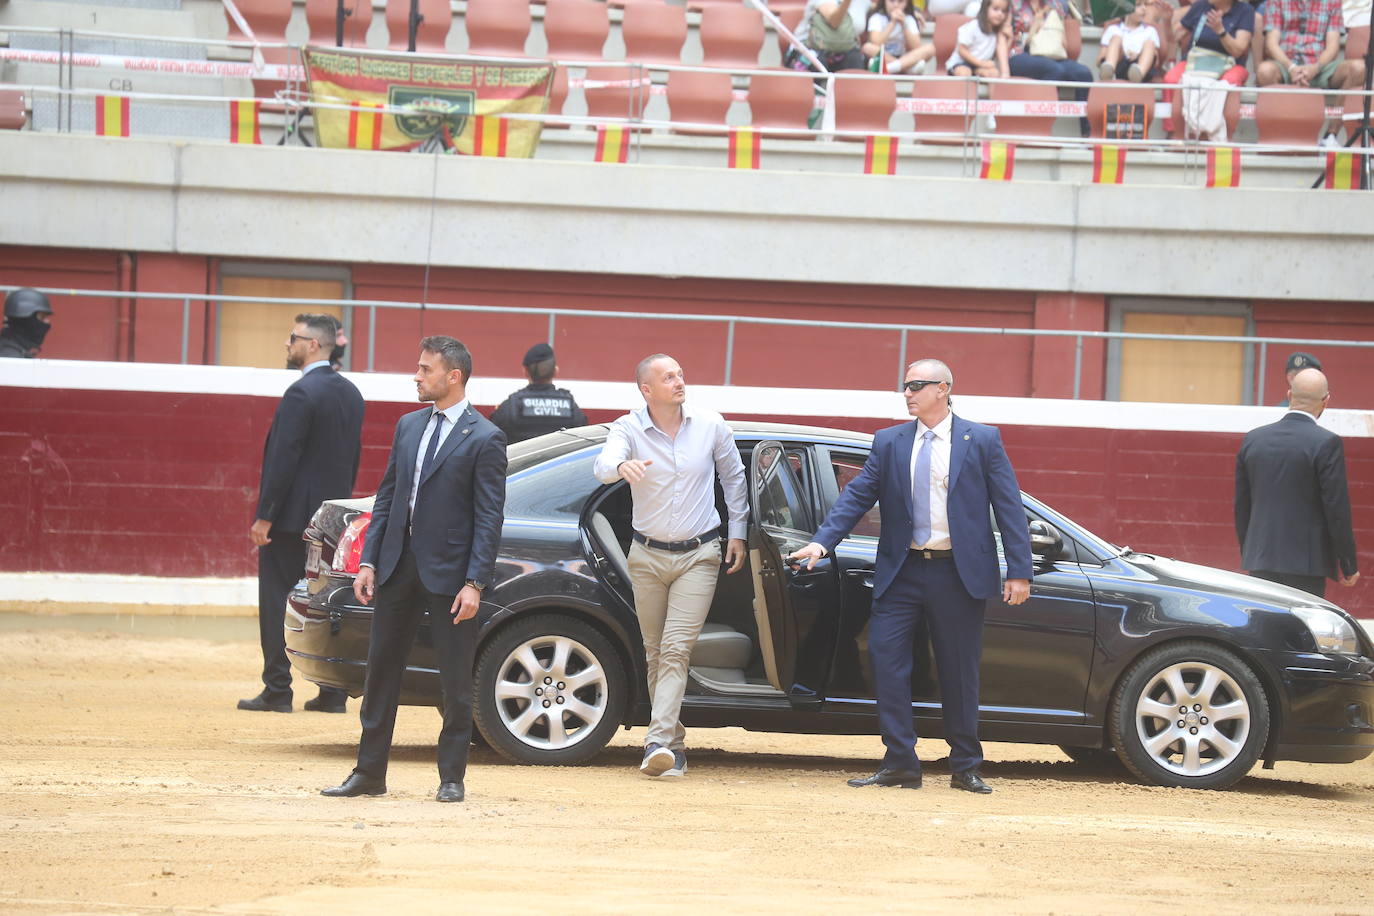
(1223, 167)
(744, 148)
(999, 158)
(111, 116)
(1342, 171)
(490, 135)
(612, 144)
(426, 99)
(244, 121)
(880, 155)
(1109, 164)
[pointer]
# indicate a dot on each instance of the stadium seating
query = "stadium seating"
(1103, 94)
(957, 121)
(615, 101)
(497, 28)
(731, 36)
(1024, 91)
(699, 97)
(781, 101)
(654, 32)
(321, 17)
(1289, 118)
(13, 110)
(864, 104)
(946, 37)
(576, 29)
(791, 17)
(431, 34)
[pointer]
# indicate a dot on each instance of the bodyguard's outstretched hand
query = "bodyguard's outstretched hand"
(632, 470)
(811, 553)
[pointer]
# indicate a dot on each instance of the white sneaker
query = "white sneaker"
(657, 760)
(679, 767)
(1330, 142)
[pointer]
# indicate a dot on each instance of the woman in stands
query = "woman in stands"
(894, 33)
(832, 29)
(1039, 50)
(983, 43)
(1221, 26)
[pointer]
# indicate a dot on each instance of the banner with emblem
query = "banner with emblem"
(428, 100)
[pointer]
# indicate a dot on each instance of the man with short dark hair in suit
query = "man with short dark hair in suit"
(430, 550)
(937, 562)
(311, 455)
(1292, 501)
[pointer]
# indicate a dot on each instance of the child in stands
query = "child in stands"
(1130, 49)
(893, 43)
(983, 44)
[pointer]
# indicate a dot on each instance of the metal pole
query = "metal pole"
(339, 15)
(185, 329)
(901, 360)
(552, 319)
(1259, 386)
(729, 350)
(1077, 365)
(415, 20)
(371, 337)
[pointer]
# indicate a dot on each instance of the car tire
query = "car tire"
(551, 690)
(1189, 714)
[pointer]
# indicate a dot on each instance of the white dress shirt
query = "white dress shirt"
(938, 483)
(676, 499)
(451, 417)
(315, 365)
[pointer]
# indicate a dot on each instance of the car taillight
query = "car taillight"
(349, 553)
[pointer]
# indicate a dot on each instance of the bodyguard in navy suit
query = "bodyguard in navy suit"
(937, 561)
(311, 455)
(430, 549)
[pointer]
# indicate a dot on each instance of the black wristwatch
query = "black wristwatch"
(475, 584)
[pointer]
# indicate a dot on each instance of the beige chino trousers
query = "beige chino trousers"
(673, 593)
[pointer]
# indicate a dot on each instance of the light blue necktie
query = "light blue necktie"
(920, 492)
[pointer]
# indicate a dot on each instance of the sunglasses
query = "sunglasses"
(296, 337)
(917, 384)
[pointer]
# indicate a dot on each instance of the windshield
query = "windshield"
(524, 455)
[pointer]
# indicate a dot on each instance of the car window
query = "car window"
(846, 468)
(779, 494)
(521, 456)
(555, 489)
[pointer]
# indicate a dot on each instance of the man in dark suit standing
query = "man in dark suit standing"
(1292, 502)
(937, 562)
(430, 549)
(311, 455)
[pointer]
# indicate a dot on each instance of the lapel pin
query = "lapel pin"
(466, 431)
(965, 437)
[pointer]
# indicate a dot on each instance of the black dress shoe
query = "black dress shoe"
(324, 703)
(449, 792)
(260, 703)
(356, 784)
(969, 781)
(907, 779)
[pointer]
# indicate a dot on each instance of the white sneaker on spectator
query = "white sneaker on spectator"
(1135, 74)
(1330, 142)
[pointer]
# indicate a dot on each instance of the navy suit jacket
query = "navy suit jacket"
(980, 475)
(456, 528)
(311, 453)
(1292, 500)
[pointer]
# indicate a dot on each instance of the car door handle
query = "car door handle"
(863, 576)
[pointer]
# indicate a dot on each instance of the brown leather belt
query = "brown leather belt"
(679, 546)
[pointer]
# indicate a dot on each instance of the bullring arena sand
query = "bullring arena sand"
(130, 784)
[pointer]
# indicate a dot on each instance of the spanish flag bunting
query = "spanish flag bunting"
(612, 144)
(365, 125)
(1342, 171)
(744, 148)
(999, 158)
(489, 136)
(1109, 164)
(111, 116)
(880, 155)
(1223, 167)
(244, 116)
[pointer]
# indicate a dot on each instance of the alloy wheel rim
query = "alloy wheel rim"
(1193, 719)
(551, 692)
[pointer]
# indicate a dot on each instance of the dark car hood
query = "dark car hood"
(1223, 582)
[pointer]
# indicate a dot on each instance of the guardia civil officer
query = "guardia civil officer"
(28, 318)
(538, 408)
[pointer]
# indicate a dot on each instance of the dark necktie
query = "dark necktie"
(920, 493)
(433, 444)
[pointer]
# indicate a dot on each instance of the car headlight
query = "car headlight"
(1332, 632)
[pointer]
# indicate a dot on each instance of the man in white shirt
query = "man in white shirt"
(670, 454)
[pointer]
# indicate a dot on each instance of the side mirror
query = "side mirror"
(1047, 544)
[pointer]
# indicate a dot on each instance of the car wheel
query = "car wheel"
(1189, 714)
(551, 690)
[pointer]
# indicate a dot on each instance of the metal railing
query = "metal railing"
(1258, 346)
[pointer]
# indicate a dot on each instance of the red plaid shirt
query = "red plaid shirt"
(1302, 26)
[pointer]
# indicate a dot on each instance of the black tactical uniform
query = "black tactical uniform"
(23, 333)
(537, 409)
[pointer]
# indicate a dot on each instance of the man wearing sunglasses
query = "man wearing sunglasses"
(937, 562)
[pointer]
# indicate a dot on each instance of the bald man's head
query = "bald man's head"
(1308, 391)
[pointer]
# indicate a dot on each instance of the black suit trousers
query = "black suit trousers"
(281, 564)
(402, 602)
(1313, 585)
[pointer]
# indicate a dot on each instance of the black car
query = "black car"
(1189, 674)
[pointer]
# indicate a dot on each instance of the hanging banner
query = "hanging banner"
(439, 99)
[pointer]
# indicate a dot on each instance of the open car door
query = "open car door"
(783, 522)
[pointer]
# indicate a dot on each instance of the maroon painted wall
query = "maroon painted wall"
(165, 484)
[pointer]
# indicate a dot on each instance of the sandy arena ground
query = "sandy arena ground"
(130, 784)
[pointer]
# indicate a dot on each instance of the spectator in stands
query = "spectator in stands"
(1302, 46)
(982, 45)
(336, 356)
(894, 38)
(28, 318)
(832, 30)
(1039, 51)
(1221, 26)
(1295, 364)
(538, 408)
(1130, 49)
